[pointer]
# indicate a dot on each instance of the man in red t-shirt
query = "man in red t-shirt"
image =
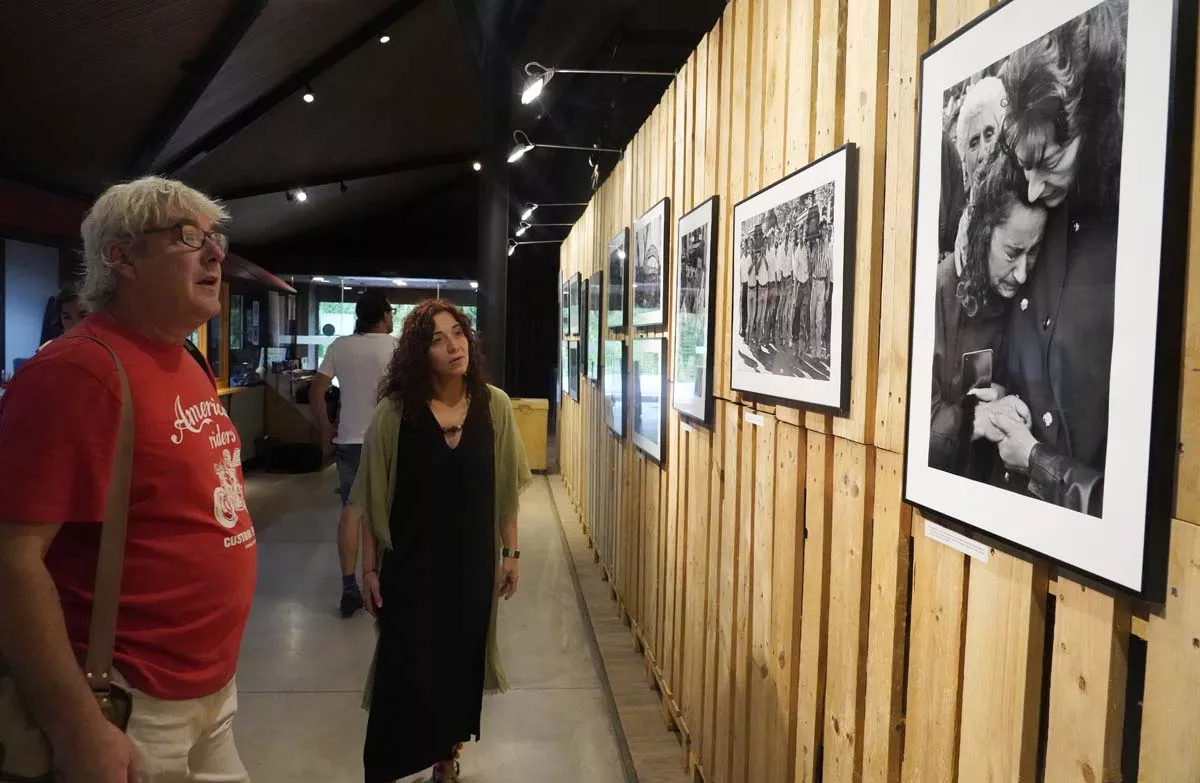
(153, 255)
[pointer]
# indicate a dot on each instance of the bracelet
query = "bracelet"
(515, 554)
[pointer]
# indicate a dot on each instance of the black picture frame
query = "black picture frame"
(1106, 553)
(697, 408)
(791, 375)
(617, 308)
(615, 385)
(651, 236)
(644, 406)
(574, 302)
(594, 328)
(573, 357)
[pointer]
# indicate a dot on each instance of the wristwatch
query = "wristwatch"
(515, 554)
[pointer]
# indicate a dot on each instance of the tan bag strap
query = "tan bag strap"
(110, 565)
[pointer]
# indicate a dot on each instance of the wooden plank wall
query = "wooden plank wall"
(795, 618)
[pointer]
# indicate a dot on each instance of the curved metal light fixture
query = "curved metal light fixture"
(540, 76)
(532, 207)
(514, 244)
(524, 145)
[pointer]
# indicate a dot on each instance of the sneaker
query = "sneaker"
(351, 602)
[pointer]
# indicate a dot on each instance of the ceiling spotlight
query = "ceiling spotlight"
(540, 76)
(475, 283)
(529, 210)
(521, 229)
(384, 38)
(301, 196)
(309, 95)
(524, 145)
(477, 166)
(512, 246)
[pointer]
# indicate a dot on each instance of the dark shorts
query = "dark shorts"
(347, 456)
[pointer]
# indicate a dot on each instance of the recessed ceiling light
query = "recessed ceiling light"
(477, 166)
(384, 39)
(309, 95)
(301, 196)
(474, 284)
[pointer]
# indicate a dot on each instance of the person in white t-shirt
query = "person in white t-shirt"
(358, 361)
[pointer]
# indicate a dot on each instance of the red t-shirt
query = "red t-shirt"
(190, 558)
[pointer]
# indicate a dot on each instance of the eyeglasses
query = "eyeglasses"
(193, 236)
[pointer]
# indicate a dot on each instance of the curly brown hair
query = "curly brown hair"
(999, 186)
(409, 378)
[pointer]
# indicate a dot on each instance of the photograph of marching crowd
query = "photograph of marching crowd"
(790, 282)
(1044, 173)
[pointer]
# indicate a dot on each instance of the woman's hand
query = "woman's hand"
(510, 574)
(983, 427)
(372, 595)
(1017, 445)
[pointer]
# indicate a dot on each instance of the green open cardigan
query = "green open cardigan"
(374, 488)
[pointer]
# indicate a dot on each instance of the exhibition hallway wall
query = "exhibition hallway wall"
(796, 617)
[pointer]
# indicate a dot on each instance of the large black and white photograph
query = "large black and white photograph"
(648, 376)
(1040, 230)
(615, 360)
(594, 325)
(651, 266)
(793, 256)
(565, 305)
(694, 322)
(618, 266)
(573, 303)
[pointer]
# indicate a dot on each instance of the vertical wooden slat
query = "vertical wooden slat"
(939, 589)
(755, 89)
(1171, 712)
(1087, 685)
(699, 520)
(762, 695)
(867, 33)
(725, 285)
(744, 682)
(831, 85)
(849, 601)
(711, 687)
(803, 26)
(726, 630)
(909, 38)
(1002, 669)
(814, 616)
(883, 729)
(787, 580)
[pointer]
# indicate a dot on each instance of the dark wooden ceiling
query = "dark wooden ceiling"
(96, 91)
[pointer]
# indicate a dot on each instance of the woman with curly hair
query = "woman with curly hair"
(1003, 237)
(1064, 129)
(439, 483)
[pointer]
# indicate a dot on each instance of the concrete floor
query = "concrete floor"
(303, 667)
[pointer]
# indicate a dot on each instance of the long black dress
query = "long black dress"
(438, 584)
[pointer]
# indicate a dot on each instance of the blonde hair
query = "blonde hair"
(125, 211)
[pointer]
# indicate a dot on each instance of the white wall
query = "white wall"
(30, 279)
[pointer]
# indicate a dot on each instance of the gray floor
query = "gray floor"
(303, 667)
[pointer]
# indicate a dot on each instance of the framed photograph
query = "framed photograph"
(692, 302)
(573, 302)
(793, 286)
(564, 368)
(616, 354)
(648, 376)
(1050, 249)
(573, 369)
(650, 266)
(618, 277)
(565, 302)
(595, 316)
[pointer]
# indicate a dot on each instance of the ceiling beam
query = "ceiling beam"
(291, 84)
(463, 159)
(198, 75)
